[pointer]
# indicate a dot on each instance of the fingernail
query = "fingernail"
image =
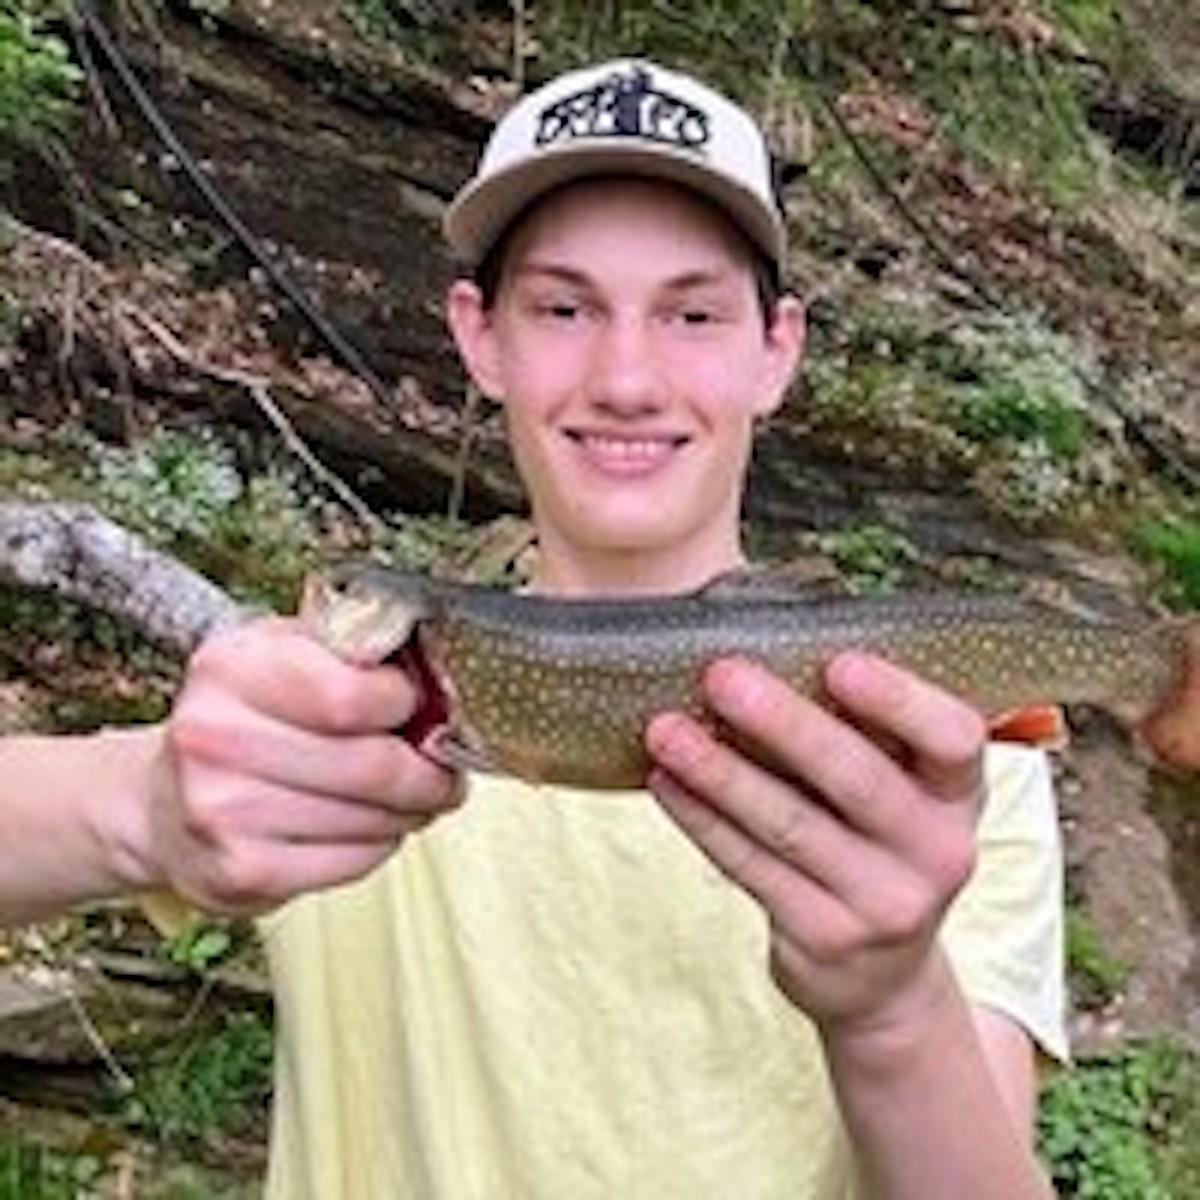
(847, 671)
(672, 740)
(732, 686)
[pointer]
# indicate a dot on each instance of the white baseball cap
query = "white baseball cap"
(627, 117)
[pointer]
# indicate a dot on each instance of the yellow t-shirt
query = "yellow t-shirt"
(551, 995)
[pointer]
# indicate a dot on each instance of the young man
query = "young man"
(815, 971)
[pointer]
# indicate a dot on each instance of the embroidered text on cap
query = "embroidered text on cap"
(625, 105)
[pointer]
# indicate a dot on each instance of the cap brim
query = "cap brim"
(484, 208)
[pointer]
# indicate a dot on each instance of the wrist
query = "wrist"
(120, 806)
(915, 1020)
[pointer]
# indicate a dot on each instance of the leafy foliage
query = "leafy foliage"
(187, 490)
(874, 558)
(1109, 1128)
(29, 1171)
(1019, 113)
(38, 82)
(1017, 382)
(1173, 541)
(214, 1086)
(200, 946)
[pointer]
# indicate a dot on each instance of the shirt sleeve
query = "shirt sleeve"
(1004, 932)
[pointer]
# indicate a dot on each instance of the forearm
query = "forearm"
(74, 818)
(924, 1111)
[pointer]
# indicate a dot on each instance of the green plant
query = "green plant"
(200, 946)
(1173, 542)
(424, 27)
(1095, 21)
(219, 1084)
(29, 1171)
(1016, 381)
(171, 485)
(38, 81)
(1096, 975)
(1008, 107)
(874, 558)
(1108, 1128)
(256, 534)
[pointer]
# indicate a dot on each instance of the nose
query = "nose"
(624, 377)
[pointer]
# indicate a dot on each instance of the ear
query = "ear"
(784, 349)
(471, 327)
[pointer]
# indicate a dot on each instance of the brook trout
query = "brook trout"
(560, 691)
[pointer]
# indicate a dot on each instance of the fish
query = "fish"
(560, 690)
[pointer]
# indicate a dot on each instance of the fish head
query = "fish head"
(364, 613)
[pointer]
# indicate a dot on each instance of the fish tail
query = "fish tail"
(1172, 730)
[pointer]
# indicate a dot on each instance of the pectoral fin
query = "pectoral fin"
(1041, 725)
(453, 749)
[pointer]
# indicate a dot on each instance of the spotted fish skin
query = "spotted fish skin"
(560, 690)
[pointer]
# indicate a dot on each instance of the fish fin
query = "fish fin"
(1172, 731)
(451, 749)
(1041, 725)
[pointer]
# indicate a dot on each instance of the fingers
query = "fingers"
(746, 861)
(941, 738)
(252, 876)
(373, 768)
(809, 744)
(277, 773)
(763, 819)
(287, 815)
(853, 828)
(944, 736)
(275, 667)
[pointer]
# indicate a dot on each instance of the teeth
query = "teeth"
(628, 447)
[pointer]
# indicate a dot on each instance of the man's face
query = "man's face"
(628, 347)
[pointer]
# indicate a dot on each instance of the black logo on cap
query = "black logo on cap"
(625, 105)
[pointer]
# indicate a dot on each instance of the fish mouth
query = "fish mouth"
(431, 717)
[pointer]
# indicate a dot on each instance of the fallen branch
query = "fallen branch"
(74, 551)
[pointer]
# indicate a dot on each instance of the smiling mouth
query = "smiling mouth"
(627, 452)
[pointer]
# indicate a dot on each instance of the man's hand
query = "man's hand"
(853, 829)
(279, 771)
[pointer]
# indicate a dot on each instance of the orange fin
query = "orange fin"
(1042, 725)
